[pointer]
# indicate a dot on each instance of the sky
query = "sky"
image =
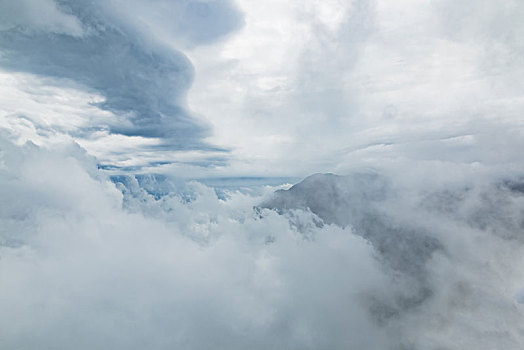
(200, 89)
(261, 174)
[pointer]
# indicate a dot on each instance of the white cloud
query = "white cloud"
(86, 265)
(299, 90)
(83, 272)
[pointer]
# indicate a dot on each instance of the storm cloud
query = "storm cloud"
(97, 45)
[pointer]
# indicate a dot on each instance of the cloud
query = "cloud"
(42, 15)
(170, 272)
(156, 262)
(104, 47)
(421, 247)
(443, 244)
(346, 84)
(332, 85)
(183, 23)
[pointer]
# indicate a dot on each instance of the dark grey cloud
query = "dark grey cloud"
(204, 21)
(143, 81)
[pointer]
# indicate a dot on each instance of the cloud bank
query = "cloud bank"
(83, 272)
(343, 262)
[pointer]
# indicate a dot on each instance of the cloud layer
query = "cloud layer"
(371, 261)
(193, 272)
(279, 89)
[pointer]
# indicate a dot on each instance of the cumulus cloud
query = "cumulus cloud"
(344, 262)
(193, 272)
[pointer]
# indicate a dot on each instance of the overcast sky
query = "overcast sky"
(419, 102)
(266, 88)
